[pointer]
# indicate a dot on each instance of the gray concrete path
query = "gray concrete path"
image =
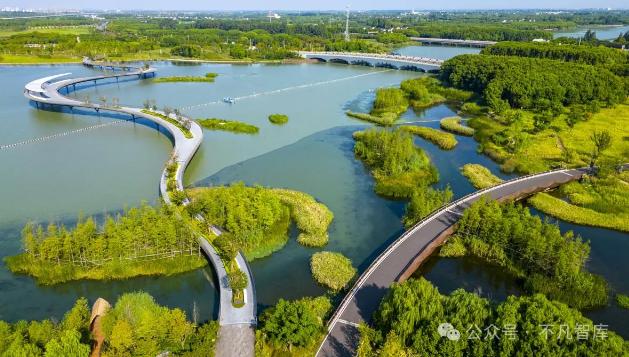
(405, 255)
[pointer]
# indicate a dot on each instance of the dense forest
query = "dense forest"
(532, 83)
(594, 55)
(509, 236)
(414, 319)
(140, 241)
(477, 31)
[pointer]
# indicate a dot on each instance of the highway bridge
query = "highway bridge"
(412, 63)
(236, 324)
(399, 261)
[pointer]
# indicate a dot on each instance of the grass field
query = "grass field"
(558, 145)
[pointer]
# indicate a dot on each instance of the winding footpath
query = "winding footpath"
(398, 262)
(236, 333)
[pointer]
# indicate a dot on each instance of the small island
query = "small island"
(258, 218)
(332, 270)
(278, 119)
(209, 78)
(228, 125)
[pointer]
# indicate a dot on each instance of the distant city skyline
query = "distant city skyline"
(309, 5)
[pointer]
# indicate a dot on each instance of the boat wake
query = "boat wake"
(59, 135)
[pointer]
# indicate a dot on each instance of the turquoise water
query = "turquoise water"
(106, 169)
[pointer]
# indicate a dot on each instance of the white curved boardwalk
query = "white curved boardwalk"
(236, 323)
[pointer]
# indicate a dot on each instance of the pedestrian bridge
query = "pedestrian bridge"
(411, 63)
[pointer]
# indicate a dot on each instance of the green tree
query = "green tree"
(68, 345)
(291, 323)
(602, 140)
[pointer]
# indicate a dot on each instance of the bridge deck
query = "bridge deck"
(406, 254)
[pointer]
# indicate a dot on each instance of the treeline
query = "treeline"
(414, 319)
(401, 170)
(135, 326)
(225, 39)
(140, 241)
(594, 55)
(531, 83)
(551, 263)
(477, 31)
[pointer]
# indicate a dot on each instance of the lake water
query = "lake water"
(602, 33)
(108, 168)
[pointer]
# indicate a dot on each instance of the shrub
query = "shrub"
(332, 270)
(471, 108)
(294, 323)
(622, 300)
(389, 101)
(237, 279)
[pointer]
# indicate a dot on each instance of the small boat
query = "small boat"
(229, 100)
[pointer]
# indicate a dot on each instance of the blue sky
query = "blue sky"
(310, 5)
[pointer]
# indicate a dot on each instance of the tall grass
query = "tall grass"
(440, 138)
(479, 176)
(332, 270)
(385, 120)
(565, 211)
(453, 124)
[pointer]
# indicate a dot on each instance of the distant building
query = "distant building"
(539, 40)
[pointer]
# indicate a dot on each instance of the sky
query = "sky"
(210, 5)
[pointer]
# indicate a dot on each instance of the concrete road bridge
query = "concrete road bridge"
(236, 333)
(398, 262)
(452, 42)
(411, 63)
